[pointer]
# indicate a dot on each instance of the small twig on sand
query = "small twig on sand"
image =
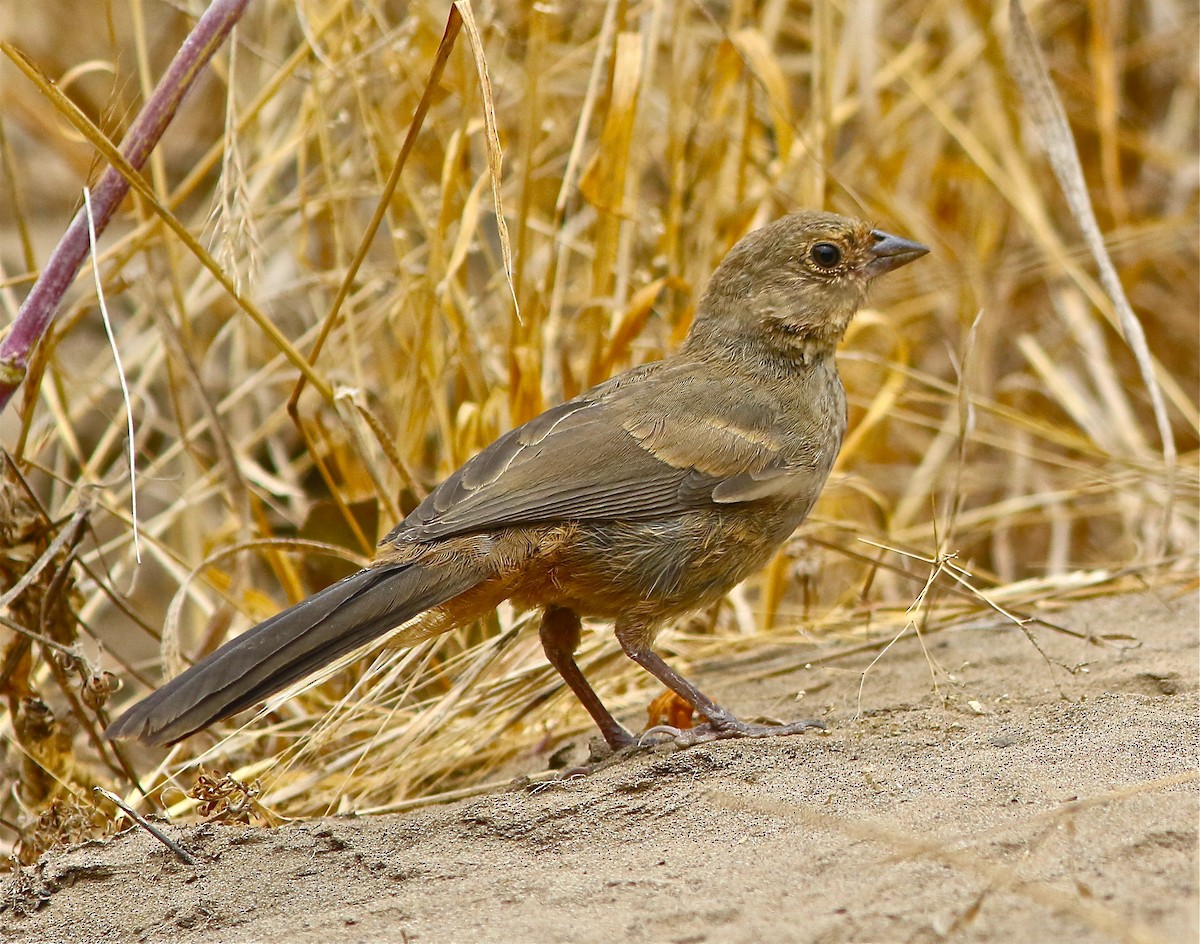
(184, 856)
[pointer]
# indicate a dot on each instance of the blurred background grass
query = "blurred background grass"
(996, 412)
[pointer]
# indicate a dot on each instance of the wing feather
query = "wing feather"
(617, 452)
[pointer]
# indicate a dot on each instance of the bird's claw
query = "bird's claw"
(721, 730)
(660, 734)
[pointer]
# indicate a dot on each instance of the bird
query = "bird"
(642, 499)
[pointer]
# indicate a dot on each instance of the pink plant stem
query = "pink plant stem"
(42, 302)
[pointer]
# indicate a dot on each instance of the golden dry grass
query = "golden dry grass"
(996, 411)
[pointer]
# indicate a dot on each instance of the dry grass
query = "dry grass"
(996, 411)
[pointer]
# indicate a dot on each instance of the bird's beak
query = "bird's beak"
(890, 252)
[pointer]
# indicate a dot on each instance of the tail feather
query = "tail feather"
(289, 646)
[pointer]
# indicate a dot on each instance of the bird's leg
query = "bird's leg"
(560, 638)
(721, 721)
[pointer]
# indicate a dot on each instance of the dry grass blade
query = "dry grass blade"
(43, 301)
(494, 154)
(453, 25)
(100, 141)
(1030, 72)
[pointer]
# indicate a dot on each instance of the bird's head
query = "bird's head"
(796, 283)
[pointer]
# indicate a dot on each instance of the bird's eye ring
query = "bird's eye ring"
(826, 255)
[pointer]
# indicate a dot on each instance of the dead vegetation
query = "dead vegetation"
(997, 412)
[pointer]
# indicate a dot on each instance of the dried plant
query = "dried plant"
(997, 412)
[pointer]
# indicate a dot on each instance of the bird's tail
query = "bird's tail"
(289, 646)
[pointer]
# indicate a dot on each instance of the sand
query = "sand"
(1024, 800)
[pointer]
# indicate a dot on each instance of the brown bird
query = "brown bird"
(646, 497)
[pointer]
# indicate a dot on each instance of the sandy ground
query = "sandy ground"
(1023, 802)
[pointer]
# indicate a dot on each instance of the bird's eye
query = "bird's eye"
(826, 255)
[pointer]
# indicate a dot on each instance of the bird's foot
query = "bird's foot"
(729, 727)
(600, 756)
(665, 737)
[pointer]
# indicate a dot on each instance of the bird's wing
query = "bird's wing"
(616, 452)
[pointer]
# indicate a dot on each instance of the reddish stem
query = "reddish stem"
(42, 302)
